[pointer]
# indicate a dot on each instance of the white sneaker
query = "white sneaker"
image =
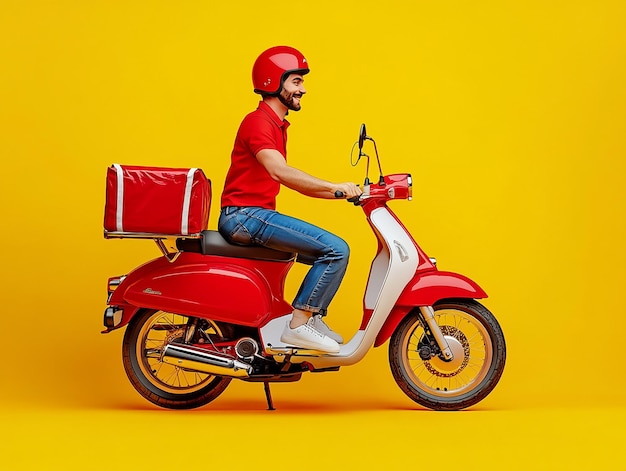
(317, 322)
(306, 336)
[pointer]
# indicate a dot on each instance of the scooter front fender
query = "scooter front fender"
(428, 288)
(425, 290)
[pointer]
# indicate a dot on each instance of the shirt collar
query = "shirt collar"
(270, 112)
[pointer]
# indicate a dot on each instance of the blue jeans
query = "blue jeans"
(325, 252)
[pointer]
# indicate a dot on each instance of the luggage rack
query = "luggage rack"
(158, 240)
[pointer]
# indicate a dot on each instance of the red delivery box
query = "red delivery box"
(156, 200)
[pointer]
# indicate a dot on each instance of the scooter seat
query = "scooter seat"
(212, 243)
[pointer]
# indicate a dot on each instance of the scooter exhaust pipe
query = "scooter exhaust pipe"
(199, 359)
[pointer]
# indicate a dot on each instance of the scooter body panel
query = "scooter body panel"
(244, 291)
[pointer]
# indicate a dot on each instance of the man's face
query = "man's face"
(292, 91)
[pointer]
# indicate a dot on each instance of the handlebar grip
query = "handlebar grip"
(354, 199)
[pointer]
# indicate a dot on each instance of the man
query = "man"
(258, 169)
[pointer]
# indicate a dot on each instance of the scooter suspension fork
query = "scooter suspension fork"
(428, 315)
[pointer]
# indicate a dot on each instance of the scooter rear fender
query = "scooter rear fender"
(241, 291)
(425, 290)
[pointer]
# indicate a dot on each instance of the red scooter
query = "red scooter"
(208, 311)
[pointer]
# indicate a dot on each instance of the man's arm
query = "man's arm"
(302, 182)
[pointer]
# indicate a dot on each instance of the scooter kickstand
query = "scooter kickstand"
(268, 396)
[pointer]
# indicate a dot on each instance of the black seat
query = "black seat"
(212, 243)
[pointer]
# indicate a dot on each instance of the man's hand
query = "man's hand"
(349, 189)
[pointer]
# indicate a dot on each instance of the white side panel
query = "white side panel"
(271, 332)
(378, 274)
(403, 261)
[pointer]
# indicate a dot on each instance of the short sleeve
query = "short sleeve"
(259, 134)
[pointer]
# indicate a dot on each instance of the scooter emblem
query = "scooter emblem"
(404, 256)
(152, 291)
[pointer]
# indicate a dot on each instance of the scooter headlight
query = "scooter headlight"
(410, 184)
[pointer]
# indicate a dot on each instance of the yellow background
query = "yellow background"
(511, 116)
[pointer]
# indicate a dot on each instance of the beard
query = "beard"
(289, 100)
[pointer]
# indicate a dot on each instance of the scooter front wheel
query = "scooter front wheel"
(160, 383)
(479, 349)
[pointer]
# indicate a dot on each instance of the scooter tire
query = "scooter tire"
(480, 356)
(156, 381)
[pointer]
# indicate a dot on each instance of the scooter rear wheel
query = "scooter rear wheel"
(160, 383)
(479, 349)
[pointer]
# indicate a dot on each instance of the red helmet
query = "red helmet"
(274, 65)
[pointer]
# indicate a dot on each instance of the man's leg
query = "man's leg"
(327, 253)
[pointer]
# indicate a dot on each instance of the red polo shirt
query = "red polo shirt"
(247, 182)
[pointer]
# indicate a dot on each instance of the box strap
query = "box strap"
(184, 225)
(119, 212)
